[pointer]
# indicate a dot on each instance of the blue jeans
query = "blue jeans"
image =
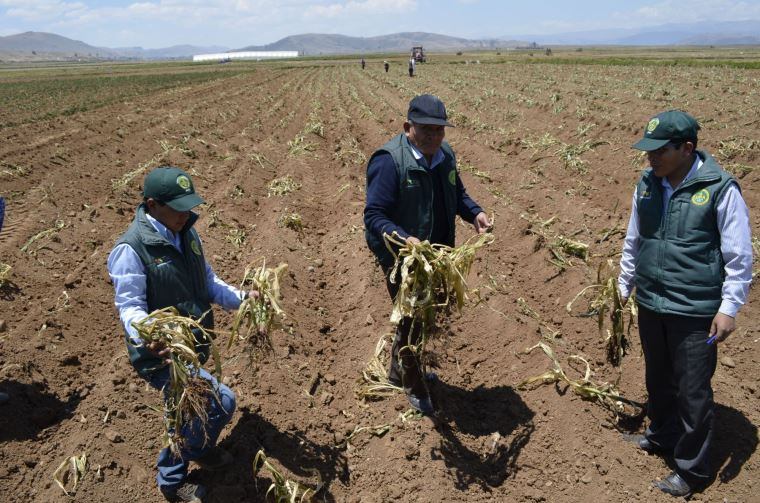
(172, 470)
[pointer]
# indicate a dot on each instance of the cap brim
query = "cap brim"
(431, 121)
(649, 144)
(185, 203)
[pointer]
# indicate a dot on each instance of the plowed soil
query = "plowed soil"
(62, 353)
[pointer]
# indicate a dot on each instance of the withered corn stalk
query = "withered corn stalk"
(283, 490)
(605, 394)
(560, 247)
(5, 272)
(188, 395)
(71, 469)
(607, 300)
(374, 382)
(431, 278)
(257, 316)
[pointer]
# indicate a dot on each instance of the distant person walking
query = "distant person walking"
(412, 64)
(386, 65)
(364, 63)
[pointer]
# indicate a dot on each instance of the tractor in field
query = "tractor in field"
(418, 54)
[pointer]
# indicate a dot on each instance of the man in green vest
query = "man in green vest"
(157, 263)
(689, 255)
(414, 190)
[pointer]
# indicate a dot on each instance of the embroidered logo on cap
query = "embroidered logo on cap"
(653, 125)
(184, 183)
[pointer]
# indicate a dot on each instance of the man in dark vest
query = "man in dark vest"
(157, 263)
(414, 190)
(689, 255)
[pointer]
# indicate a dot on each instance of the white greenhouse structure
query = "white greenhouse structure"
(256, 55)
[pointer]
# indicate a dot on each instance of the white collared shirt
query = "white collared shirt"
(438, 157)
(735, 244)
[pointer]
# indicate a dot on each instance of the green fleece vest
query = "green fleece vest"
(679, 267)
(414, 212)
(173, 279)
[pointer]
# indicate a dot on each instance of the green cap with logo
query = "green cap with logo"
(172, 186)
(667, 126)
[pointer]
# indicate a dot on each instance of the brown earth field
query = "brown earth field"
(534, 142)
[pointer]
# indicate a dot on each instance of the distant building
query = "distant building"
(228, 56)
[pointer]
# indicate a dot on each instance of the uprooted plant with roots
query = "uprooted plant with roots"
(260, 313)
(606, 301)
(431, 278)
(187, 395)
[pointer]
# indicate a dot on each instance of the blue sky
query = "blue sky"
(237, 23)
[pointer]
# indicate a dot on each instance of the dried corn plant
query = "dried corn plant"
(432, 278)
(561, 247)
(374, 383)
(291, 221)
(282, 490)
(607, 300)
(281, 186)
(5, 272)
(188, 395)
(72, 469)
(257, 316)
(605, 394)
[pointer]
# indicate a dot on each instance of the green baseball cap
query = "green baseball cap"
(667, 126)
(172, 186)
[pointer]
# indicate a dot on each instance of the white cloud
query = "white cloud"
(360, 7)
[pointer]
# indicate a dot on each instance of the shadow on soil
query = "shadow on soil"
(30, 409)
(495, 424)
(310, 463)
(735, 443)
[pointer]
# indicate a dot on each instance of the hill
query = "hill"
(318, 43)
(40, 46)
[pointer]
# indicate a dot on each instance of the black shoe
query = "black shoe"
(674, 485)
(186, 492)
(421, 404)
(645, 444)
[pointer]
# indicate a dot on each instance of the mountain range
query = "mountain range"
(702, 33)
(39, 46)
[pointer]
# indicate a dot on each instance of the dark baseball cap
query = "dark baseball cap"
(172, 186)
(427, 109)
(665, 127)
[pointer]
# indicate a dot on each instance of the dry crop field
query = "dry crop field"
(541, 145)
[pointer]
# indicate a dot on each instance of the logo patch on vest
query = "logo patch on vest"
(412, 183)
(647, 194)
(653, 125)
(161, 261)
(701, 198)
(194, 246)
(184, 182)
(453, 177)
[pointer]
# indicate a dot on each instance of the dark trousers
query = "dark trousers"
(679, 366)
(406, 367)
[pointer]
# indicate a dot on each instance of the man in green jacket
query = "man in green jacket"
(414, 190)
(689, 255)
(157, 263)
